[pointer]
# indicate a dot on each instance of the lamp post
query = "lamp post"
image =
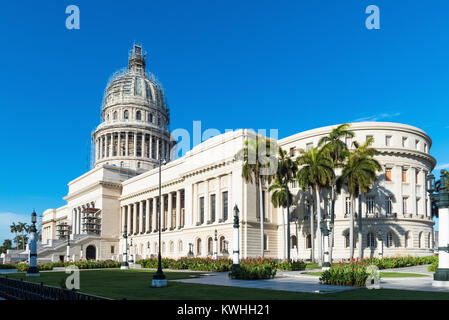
(235, 254)
(325, 231)
(131, 252)
(215, 254)
(68, 247)
(439, 195)
(33, 271)
(125, 264)
(159, 279)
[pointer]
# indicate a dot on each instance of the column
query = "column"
(170, 208)
(134, 206)
(143, 145)
(157, 148)
(163, 222)
(74, 221)
(423, 195)
(135, 144)
(119, 151)
(147, 216)
(129, 218)
(178, 208)
(112, 144)
(218, 208)
(207, 216)
(123, 219)
(412, 202)
(195, 213)
(78, 222)
(154, 201)
(140, 217)
(127, 144)
(151, 146)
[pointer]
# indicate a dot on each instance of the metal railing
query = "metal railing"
(15, 289)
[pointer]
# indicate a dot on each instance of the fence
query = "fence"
(23, 290)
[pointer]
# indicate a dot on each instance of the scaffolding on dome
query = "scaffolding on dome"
(91, 221)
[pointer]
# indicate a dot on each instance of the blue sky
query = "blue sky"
(288, 65)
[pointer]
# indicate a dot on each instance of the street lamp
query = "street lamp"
(68, 247)
(215, 254)
(125, 264)
(439, 196)
(325, 231)
(235, 255)
(33, 271)
(131, 252)
(159, 279)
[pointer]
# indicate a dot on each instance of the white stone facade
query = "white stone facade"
(200, 190)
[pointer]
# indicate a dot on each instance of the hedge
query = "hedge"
(23, 267)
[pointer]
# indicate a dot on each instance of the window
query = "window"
(180, 246)
(404, 142)
(347, 206)
(369, 137)
(371, 240)
(417, 144)
(389, 243)
(225, 205)
(404, 175)
(420, 239)
(223, 248)
(112, 249)
(150, 117)
(107, 117)
(210, 246)
(404, 205)
(115, 115)
(137, 87)
(292, 152)
(389, 205)
(126, 115)
(172, 247)
(293, 242)
(387, 141)
(370, 205)
(138, 115)
(201, 210)
(159, 121)
(265, 242)
(388, 174)
(212, 208)
(198, 246)
(346, 240)
(309, 146)
(416, 176)
(348, 142)
(418, 202)
(309, 241)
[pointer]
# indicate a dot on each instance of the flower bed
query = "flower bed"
(253, 272)
(23, 267)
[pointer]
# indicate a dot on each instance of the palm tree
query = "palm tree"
(286, 172)
(259, 167)
(315, 170)
(22, 228)
(358, 174)
(14, 229)
(338, 150)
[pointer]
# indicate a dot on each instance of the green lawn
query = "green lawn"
(136, 284)
(384, 274)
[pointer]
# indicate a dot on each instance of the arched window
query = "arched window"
(389, 240)
(172, 247)
(180, 246)
(138, 115)
(222, 244)
(150, 117)
(163, 247)
(210, 246)
(294, 242)
(126, 114)
(309, 241)
(198, 247)
(115, 115)
(346, 240)
(420, 239)
(371, 240)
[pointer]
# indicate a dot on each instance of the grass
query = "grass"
(136, 284)
(384, 274)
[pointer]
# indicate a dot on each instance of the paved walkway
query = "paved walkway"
(302, 283)
(416, 269)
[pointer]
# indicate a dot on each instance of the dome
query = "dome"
(134, 85)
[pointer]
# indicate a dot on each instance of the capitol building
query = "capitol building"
(200, 189)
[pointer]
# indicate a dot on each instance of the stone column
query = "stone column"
(74, 221)
(178, 208)
(151, 146)
(163, 222)
(134, 218)
(127, 144)
(135, 144)
(195, 213)
(147, 216)
(112, 144)
(218, 209)
(119, 150)
(170, 208)
(412, 202)
(207, 217)
(79, 220)
(129, 218)
(143, 145)
(154, 227)
(140, 216)
(157, 149)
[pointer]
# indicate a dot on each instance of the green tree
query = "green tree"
(286, 173)
(358, 175)
(338, 151)
(7, 244)
(315, 170)
(259, 166)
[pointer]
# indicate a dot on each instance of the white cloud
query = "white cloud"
(6, 219)
(380, 116)
(442, 166)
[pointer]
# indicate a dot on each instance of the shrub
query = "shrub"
(253, 272)
(345, 274)
(7, 266)
(433, 267)
(292, 265)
